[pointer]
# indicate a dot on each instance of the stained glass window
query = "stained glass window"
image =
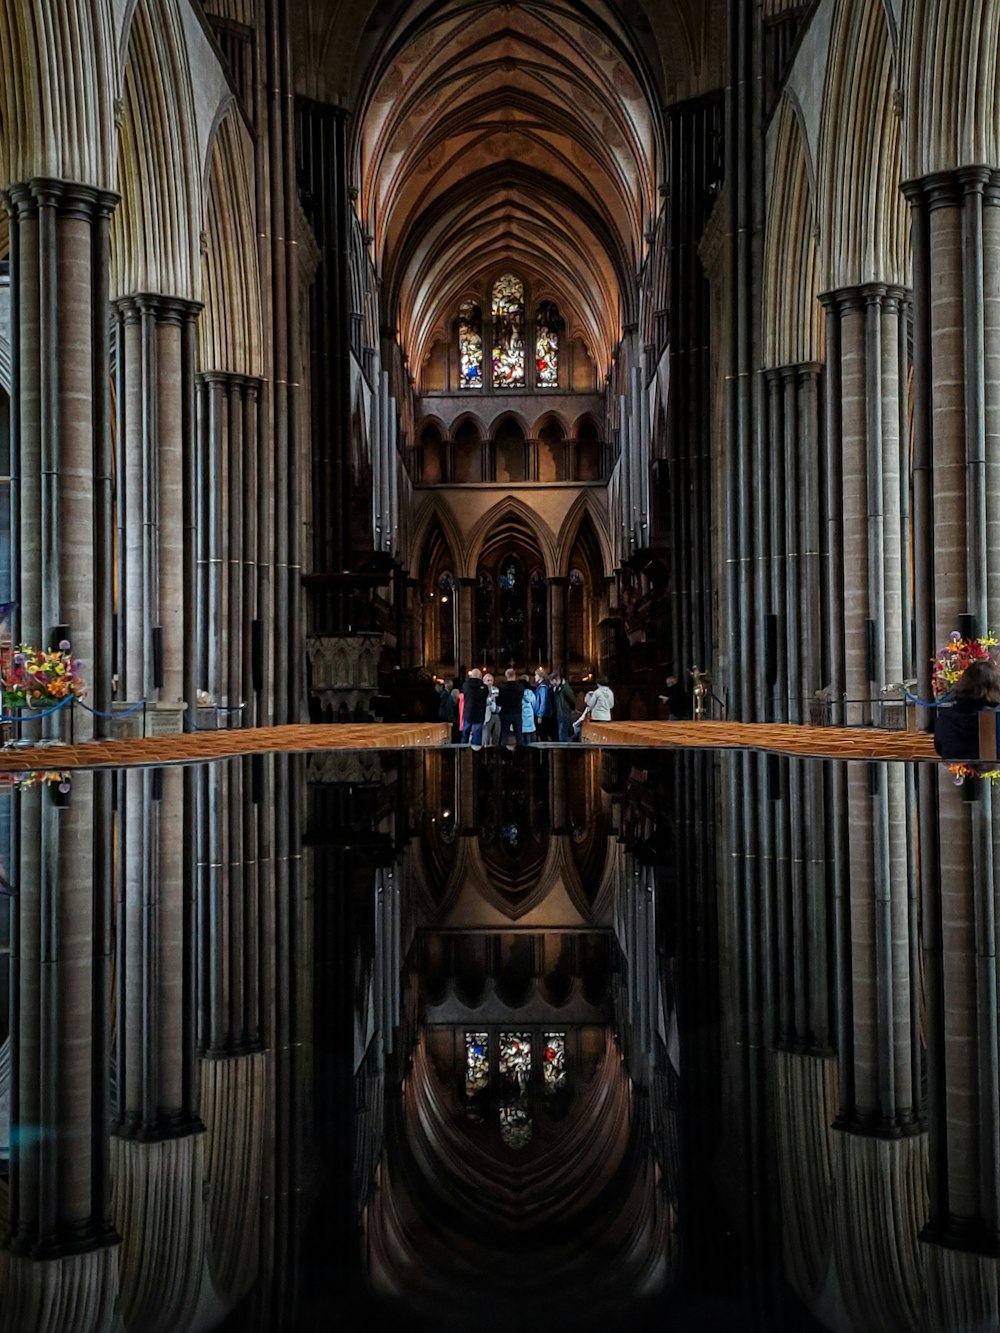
(507, 577)
(477, 1063)
(554, 1064)
(508, 333)
(547, 346)
(470, 345)
(515, 1059)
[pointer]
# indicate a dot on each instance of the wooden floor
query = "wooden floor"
(823, 742)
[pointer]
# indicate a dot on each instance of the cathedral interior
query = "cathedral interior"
(347, 346)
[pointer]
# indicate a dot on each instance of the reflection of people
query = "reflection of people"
(965, 727)
(676, 699)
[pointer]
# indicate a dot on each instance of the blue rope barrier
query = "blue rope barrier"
(937, 703)
(37, 717)
(125, 712)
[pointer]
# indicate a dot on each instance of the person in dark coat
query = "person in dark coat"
(965, 724)
(474, 696)
(510, 697)
(677, 700)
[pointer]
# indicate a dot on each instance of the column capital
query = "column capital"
(948, 189)
(229, 379)
(164, 309)
(69, 198)
(862, 294)
(558, 580)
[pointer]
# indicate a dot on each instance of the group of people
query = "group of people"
(520, 709)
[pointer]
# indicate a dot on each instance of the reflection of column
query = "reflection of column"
(465, 648)
(557, 622)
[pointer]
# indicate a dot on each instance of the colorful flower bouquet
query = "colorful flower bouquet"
(950, 664)
(36, 778)
(37, 679)
(948, 668)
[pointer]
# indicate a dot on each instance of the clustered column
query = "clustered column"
(956, 345)
(59, 1177)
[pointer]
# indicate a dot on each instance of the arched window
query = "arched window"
(508, 333)
(485, 617)
(470, 345)
(576, 647)
(539, 617)
(547, 346)
(446, 617)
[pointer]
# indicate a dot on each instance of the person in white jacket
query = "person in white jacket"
(598, 703)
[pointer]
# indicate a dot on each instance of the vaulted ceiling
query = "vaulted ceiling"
(494, 137)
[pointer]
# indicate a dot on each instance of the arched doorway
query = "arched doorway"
(511, 619)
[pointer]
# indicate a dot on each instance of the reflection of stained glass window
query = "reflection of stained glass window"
(515, 1058)
(554, 1066)
(470, 345)
(547, 346)
(477, 1063)
(515, 1126)
(508, 333)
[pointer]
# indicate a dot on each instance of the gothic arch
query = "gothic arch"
(550, 414)
(504, 416)
(510, 509)
(155, 231)
(59, 77)
(792, 316)
(230, 327)
(864, 219)
(582, 512)
(951, 83)
(436, 511)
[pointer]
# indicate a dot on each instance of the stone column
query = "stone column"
(956, 243)
(226, 598)
(465, 649)
(59, 1201)
(557, 622)
(156, 428)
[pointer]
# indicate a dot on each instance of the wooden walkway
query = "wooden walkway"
(779, 738)
(193, 747)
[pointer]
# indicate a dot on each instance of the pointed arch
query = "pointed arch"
(864, 219)
(59, 78)
(583, 511)
(155, 231)
(230, 335)
(792, 315)
(436, 512)
(515, 513)
(951, 85)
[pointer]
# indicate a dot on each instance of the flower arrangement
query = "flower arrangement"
(36, 778)
(36, 677)
(948, 668)
(950, 664)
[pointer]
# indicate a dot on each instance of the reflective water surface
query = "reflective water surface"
(495, 1040)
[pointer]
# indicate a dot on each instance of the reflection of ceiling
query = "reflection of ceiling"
(450, 1229)
(515, 136)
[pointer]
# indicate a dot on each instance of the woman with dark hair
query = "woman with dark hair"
(965, 726)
